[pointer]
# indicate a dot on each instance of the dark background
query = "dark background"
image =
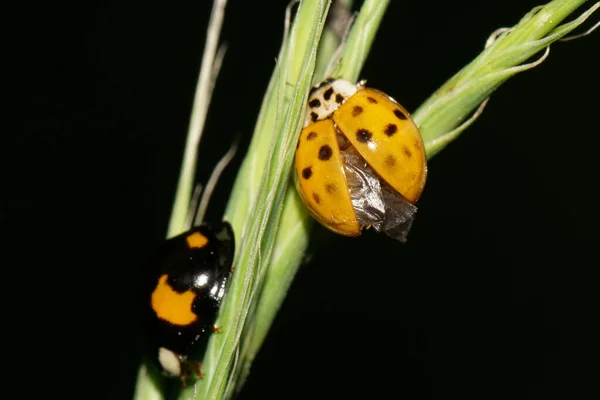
(494, 295)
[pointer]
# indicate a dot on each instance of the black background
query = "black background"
(494, 295)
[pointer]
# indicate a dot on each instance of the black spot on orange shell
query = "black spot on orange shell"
(316, 198)
(339, 98)
(399, 114)
(314, 116)
(372, 100)
(390, 161)
(330, 188)
(311, 135)
(390, 129)
(314, 103)
(357, 110)
(406, 151)
(363, 135)
(307, 172)
(327, 94)
(325, 153)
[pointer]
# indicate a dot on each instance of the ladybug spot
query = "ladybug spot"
(316, 198)
(339, 98)
(372, 100)
(314, 116)
(307, 172)
(330, 188)
(311, 135)
(406, 152)
(390, 129)
(320, 85)
(357, 110)
(314, 103)
(399, 114)
(325, 153)
(327, 94)
(390, 161)
(363, 136)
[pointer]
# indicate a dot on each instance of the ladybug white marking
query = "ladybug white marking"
(169, 361)
(323, 103)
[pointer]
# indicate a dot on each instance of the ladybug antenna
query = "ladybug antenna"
(199, 204)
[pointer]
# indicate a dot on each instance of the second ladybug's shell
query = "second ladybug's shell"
(345, 117)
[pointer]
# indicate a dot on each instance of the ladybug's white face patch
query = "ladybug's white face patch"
(169, 361)
(326, 98)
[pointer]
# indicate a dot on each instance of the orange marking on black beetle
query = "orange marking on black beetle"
(171, 306)
(196, 240)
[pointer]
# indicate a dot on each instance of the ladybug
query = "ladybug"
(190, 282)
(194, 268)
(360, 160)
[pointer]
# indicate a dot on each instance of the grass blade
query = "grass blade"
(440, 115)
(280, 125)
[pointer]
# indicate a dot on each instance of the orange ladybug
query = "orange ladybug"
(360, 160)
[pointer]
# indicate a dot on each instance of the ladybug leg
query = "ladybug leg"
(216, 329)
(190, 367)
(183, 377)
(197, 368)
